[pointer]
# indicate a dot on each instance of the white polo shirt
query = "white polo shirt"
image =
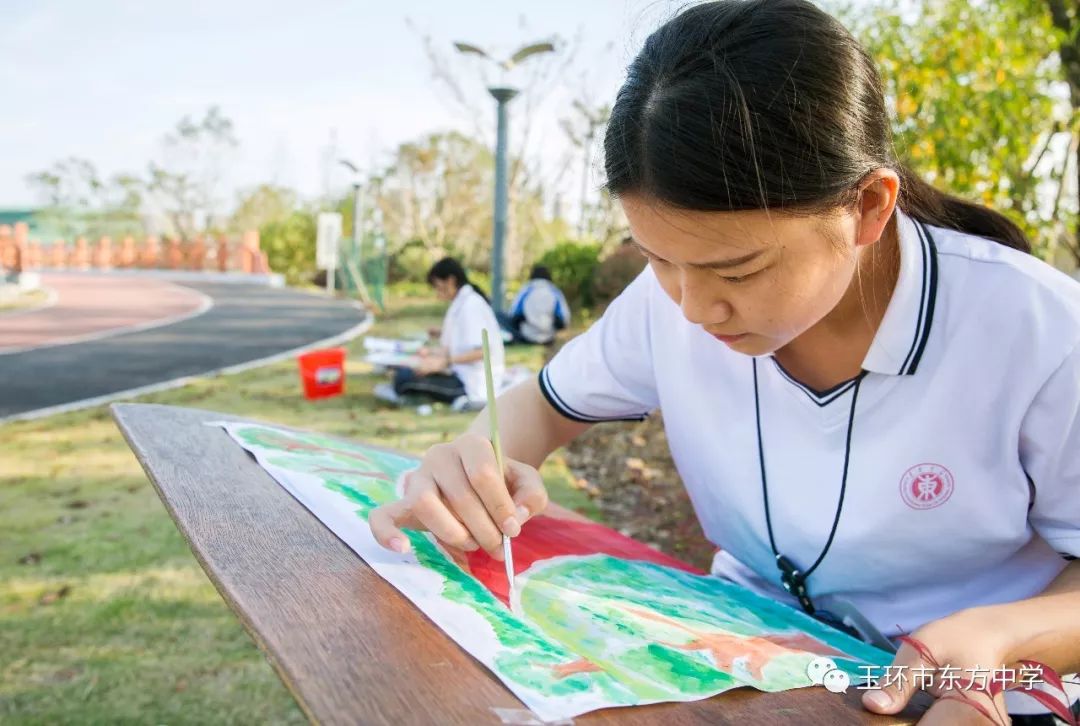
(466, 317)
(964, 479)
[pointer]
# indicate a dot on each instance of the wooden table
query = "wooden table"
(350, 648)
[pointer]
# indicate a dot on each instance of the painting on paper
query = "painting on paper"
(599, 619)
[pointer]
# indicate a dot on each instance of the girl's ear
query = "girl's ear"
(877, 200)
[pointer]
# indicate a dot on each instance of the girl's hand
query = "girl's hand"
(955, 647)
(459, 496)
(431, 364)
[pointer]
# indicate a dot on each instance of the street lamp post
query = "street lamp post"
(358, 212)
(502, 196)
(503, 94)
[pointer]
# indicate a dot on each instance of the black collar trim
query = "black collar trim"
(821, 398)
(926, 301)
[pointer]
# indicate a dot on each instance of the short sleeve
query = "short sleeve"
(606, 373)
(1050, 454)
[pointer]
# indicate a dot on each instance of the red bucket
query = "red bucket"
(323, 373)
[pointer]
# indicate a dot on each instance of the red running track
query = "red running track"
(88, 307)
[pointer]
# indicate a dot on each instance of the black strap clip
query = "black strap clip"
(794, 582)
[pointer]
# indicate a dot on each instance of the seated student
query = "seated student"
(454, 371)
(539, 310)
(870, 389)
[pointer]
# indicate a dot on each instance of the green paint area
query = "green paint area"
(665, 633)
(365, 477)
(612, 630)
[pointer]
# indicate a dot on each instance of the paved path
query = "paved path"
(245, 323)
(87, 306)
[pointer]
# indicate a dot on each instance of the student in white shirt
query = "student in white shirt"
(539, 311)
(456, 368)
(871, 390)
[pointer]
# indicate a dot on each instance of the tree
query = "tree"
(600, 218)
(184, 186)
(462, 80)
(1066, 18)
(186, 183)
(581, 130)
(438, 189)
(77, 201)
(289, 245)
(977, 94)
(260, 206)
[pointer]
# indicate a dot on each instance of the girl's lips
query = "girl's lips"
(729, 338)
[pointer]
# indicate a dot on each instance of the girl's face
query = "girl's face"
(755, 280)
(445, 289)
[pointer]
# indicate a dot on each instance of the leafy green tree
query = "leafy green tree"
(260, 206)
(289, 244)
(77, 201)
(981, 105)
(1066, 18)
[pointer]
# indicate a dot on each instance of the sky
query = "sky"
(302, 81)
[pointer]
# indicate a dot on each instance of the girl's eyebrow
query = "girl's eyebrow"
(718, 265)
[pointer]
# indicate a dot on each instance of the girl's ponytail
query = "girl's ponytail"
(932, 206)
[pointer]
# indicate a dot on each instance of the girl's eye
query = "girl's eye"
(736, 279)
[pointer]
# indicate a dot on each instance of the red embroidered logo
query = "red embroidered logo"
(926, 486)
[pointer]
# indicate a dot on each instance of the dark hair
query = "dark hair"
(540, 272)
(448, 267)
(757, 104)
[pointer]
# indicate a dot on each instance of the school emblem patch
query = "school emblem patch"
(926, 486)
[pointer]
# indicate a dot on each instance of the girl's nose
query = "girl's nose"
(701, 302)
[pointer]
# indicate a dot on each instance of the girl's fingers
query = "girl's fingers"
(430, 509)
(386, 522)
(529, 494)
(459, 495)
(420, 507)
(478, 460)
(894, 696)
(465, 503)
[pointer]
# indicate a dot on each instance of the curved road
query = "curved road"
(87, 306)
(245, 323)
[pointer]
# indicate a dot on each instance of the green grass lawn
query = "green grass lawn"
(105, 616)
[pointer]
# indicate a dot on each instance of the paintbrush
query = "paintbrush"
(493, 421)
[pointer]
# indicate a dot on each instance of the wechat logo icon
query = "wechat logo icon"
(823, 672)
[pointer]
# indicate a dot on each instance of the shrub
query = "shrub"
(416, 285)
(290, 246)
(411, 263)
(615, 272)
(572, 266)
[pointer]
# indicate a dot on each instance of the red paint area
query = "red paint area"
(724, 648)
(544, 537)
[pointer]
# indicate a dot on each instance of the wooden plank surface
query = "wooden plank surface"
(349, 647)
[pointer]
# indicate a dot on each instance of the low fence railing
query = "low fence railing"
(18, 253)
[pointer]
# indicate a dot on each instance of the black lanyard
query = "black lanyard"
(793, 580)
